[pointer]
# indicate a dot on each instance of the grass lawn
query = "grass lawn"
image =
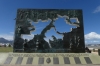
(6, 49)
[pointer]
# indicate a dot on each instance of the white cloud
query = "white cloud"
(92, 38)
(11, 32)
(92, 35)
(47, 38)
(10, 36)
(29, 37)
(95, 41)
(92, 42)
(7, 36)
(97, 10)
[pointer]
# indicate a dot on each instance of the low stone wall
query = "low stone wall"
(93, 50)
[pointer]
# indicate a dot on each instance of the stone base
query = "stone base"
(48, 59)
(53, 65)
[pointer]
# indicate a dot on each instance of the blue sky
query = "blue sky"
(91, 17)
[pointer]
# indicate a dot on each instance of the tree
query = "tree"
(9, 45)
(4, 45)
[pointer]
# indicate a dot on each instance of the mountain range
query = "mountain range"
(3, 40)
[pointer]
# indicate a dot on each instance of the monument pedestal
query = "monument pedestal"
(48, 59)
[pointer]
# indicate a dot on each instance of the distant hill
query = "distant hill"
(3, 40)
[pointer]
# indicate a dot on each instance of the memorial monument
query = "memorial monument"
(73, 41)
